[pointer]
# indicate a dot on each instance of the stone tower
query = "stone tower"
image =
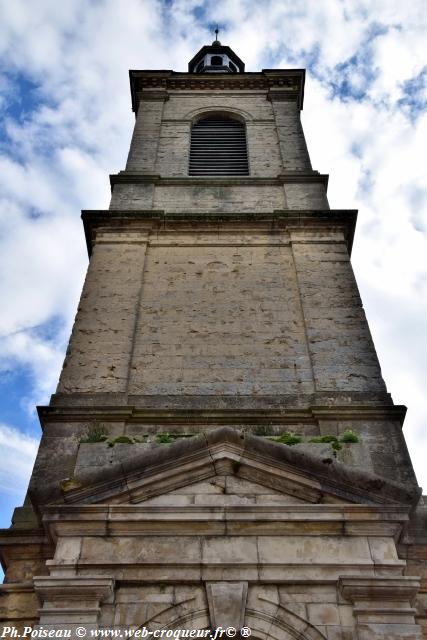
(219, 324)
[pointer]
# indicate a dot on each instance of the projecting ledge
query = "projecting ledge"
(148, 219)
(289, 177)
(149, 409)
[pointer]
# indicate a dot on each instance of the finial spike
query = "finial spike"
(216, 32)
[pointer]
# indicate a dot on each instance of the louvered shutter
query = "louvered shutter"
(218, 148)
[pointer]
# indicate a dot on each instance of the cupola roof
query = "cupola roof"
(216, 58)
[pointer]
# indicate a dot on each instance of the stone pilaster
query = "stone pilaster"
(146, 136)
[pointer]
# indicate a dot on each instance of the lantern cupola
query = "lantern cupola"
(216, 58)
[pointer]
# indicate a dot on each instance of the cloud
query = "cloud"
(18, 455)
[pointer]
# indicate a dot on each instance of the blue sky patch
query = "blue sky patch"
(414, 99)
(15, 386)
(23, 96)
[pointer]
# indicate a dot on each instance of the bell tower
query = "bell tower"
(221, 450)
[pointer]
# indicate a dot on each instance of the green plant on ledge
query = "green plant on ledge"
(121, 440)
(332, 440)
(349, 436)
(288, 438)
(165, 438)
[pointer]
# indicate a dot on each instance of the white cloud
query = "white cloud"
(18, 455)
(386, 179)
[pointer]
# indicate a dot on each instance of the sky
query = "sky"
(66, 123)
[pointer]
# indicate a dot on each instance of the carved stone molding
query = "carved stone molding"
(356, 588)
(154, 219)
(385, 600)
(71, 599)
(287, 81)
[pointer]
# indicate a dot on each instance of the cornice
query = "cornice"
(290, 177)
(316, 519)
(288, 82)
(79, 587)
(134, 414)
(286, 218)
(20, 544)
(368, 589)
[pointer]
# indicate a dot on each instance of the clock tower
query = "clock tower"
(221, 450)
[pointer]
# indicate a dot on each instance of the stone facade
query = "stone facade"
(220, 322)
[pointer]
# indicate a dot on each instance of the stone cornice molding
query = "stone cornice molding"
(125, 220)
(355, 588)
(295, 519)
(384, 598)
(290, 177)
(72, 598)
(288, 82)
(19, 544)
(63, 411)
(17, 587)
(77, 587)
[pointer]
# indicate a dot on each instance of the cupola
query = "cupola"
(216, 59)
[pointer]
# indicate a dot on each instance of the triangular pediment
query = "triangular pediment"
(226, 468)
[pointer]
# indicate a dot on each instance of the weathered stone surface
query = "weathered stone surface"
(227, 603)
(106, 319)
(260, 317)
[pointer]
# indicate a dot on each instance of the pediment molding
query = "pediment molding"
(288, 520)
(226, 451)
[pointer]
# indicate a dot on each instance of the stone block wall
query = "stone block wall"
(160, 148)
(101, 341)
(221, 310)
(219, 317)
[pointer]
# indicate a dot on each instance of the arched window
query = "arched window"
(216, 60)
(218, 147)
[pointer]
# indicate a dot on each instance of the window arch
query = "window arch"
(218, 147)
